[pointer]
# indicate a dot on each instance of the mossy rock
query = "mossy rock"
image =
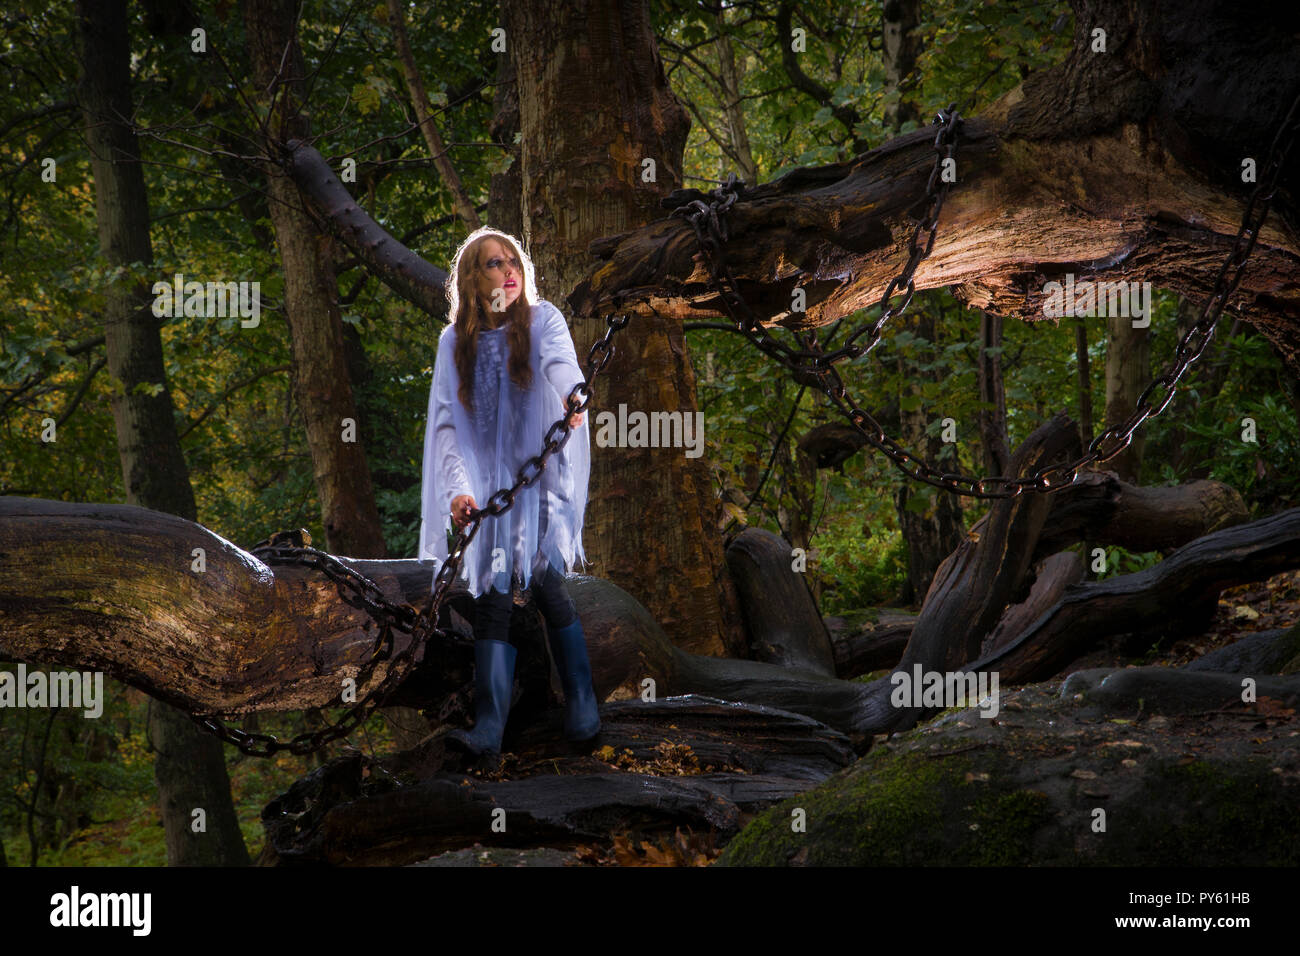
(1026, 789)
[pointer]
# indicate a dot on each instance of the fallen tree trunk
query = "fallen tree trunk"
(117, 588)
(1174, 594)
(110, 587)
(1102, 509)
(861, 647)
(240, 637)
(780, 614)
(1123, 162)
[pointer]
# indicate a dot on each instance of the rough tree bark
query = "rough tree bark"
(593, 104)
(348, 512)
(1118, 165)
(189, 765)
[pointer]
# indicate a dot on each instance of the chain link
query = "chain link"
(809, 366)
(813, 367)
(360, 592)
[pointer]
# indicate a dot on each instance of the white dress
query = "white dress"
(479, 454)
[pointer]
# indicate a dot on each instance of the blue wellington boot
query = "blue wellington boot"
(494, 676)
(581, 709)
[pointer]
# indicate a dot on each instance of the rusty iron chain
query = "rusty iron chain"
(816, 368)
(362, 593)
(809, 366)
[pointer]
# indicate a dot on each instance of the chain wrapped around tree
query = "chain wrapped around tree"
(809, 366)
(362, 593)
(814, 367)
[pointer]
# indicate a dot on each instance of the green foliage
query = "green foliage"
(87, 784)
(860, 570)
(240, 428)
(1120, 561)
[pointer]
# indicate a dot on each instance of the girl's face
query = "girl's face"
(498, 269)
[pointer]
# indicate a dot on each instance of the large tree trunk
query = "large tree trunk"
(1142, 146)
(189, 766)
(348, 511)
(593, 104)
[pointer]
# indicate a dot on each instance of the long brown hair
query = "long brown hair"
(470, 317)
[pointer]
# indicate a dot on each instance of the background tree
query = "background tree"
(189, 768)
(239, 419)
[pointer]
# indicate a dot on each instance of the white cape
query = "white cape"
(459, 459)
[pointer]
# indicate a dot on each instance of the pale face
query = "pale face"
(499, 269)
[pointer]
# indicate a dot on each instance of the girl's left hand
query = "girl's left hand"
(577, 419)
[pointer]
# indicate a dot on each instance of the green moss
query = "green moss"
(926, 809)
(1205, 813)
(1288, 651)
(899, 810)
(1007, 824)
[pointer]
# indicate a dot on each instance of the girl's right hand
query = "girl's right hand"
(460, 509)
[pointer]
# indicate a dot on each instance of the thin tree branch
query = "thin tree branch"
(227, 393)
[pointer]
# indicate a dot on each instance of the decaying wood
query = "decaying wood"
(878, 644)
(1101, 509)
(1052, 576)
(676, 762)
(1115, 165)
(781, 616)
(114, 587)
(1174, 597)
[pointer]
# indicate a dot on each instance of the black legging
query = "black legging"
(492, 608)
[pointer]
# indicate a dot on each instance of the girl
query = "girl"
(504, 369)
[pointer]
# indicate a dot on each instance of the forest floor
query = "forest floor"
(1066, 754)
